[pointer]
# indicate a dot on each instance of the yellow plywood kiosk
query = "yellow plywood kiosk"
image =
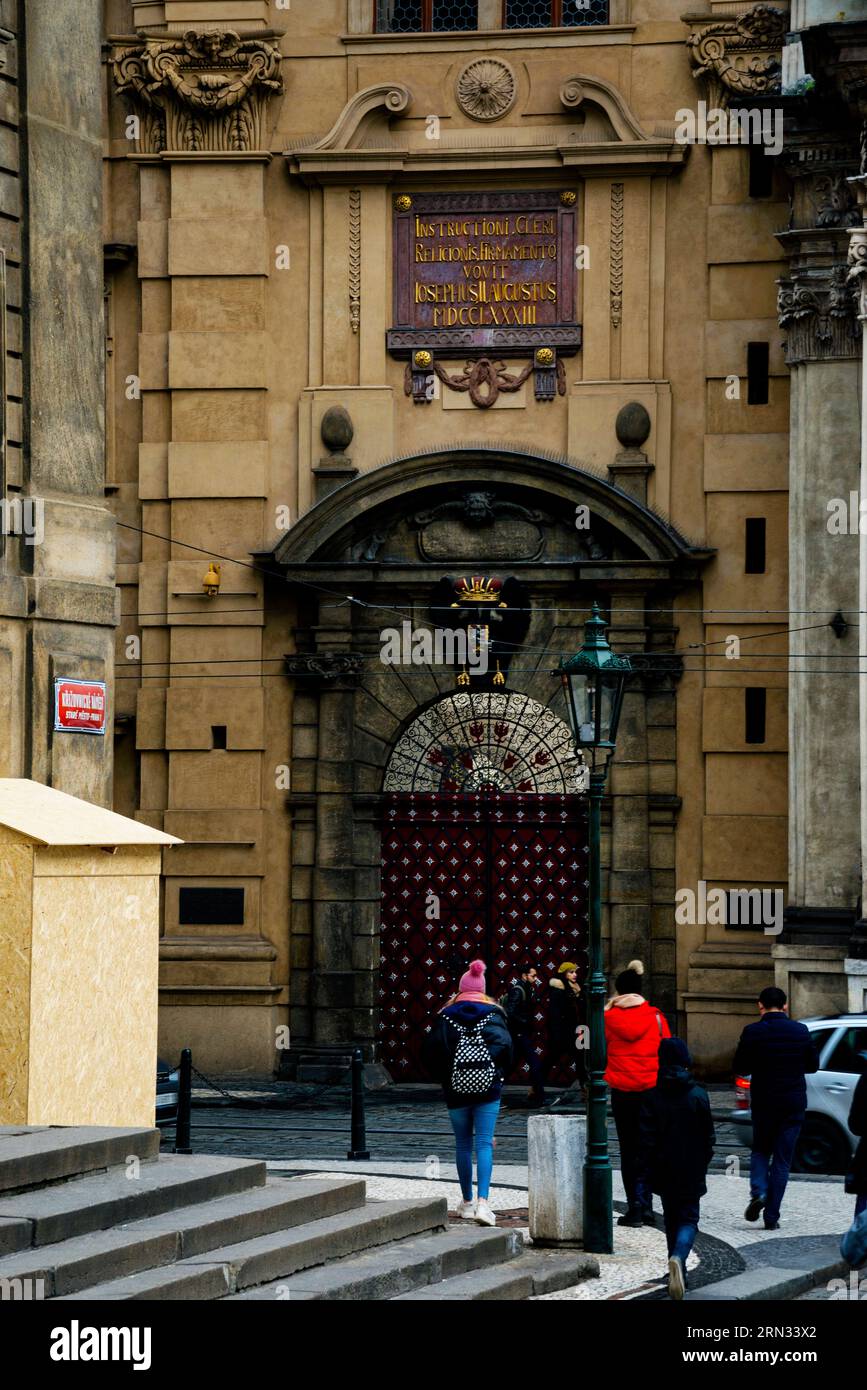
(79, 945)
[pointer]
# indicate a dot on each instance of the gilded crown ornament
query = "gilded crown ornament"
(478, 589)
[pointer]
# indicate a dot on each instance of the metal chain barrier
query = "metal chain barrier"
(271, 1102)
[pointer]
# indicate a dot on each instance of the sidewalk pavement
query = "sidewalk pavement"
(733, 1259)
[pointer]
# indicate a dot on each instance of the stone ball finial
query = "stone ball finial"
(337, 429)
(632, 425)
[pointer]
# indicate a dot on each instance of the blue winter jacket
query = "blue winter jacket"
(440, 1045)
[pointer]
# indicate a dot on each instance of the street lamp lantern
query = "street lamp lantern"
(593, 682)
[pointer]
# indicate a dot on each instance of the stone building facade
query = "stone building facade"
(57, 535)
(303, 392)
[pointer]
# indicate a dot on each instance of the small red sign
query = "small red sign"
(79, 706)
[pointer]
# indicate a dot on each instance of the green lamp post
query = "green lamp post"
(593, 683)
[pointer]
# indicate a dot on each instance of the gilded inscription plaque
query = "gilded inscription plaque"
(485, 272)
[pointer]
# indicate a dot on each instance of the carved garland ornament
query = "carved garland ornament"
(485, 379)
(199, 92)
(486, 89)
(615, 266)
(355, 258)
(739, 57)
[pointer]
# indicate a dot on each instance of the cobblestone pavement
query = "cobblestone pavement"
(415, 1128)
(411, 1147)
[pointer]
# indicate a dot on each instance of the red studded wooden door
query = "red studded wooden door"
(498, 876)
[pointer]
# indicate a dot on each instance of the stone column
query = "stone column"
(629, 888)
(858, 279)
(335, 669)
(822, 350)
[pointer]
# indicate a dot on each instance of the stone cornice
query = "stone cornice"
(198, 93)
(361, 146)
(737, 58)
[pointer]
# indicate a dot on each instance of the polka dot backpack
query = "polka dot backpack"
(473, 1070)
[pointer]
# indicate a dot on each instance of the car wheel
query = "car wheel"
(821, 1147)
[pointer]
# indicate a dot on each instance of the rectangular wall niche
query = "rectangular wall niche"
(211, 907)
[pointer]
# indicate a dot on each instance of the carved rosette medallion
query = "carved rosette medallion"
(739, 57)
(486, 89)
(198, 93)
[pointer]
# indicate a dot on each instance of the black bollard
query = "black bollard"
(185, 1101)
(359, 1137)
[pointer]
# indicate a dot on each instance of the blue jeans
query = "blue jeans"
(466, 1120)
(680, 1216)
(774, 1140)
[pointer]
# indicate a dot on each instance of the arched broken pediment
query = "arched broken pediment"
(378, 128)
(424, 509)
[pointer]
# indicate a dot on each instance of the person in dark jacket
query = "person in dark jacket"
(776, 1054)
(565, 1016)
(519, 1011)
(473, 1113)
(675, 1146)
(857, 1181)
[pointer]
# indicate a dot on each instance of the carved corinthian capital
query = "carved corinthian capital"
(817, 309)
(738, 57)
(858, 268)
(199, 92)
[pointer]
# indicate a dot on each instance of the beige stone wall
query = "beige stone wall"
(238, 361)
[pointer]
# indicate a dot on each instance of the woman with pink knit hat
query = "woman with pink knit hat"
(469, 1050)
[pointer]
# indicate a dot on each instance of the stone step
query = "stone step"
(528, 1276)
(393, 1269)
(285, 1252)
(47, 1215)
(32, 1156)
(75, 1265)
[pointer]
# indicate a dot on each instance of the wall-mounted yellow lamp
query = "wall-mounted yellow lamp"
(211, 581)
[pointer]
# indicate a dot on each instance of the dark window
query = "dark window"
(450, 16)
(761, 172)
(755, 708)
(850, 1054)
(545, 14)
(424, 16)
(820, 1036)
(754, 545)
(757, 373)
(211, 907)
(218, 735)
(744, 908)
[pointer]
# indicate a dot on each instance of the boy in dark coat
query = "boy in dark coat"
(676, 1139)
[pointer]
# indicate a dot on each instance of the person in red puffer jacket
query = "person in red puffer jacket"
(633, 1031)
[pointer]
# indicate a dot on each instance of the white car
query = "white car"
(826, 1143)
